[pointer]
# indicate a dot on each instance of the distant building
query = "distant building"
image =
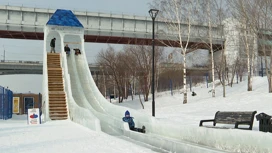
(23, 101)
(234, 33)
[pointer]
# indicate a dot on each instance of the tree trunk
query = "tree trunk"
(125, 88)
(120, 94)
(224, 86)
(184, 78)
(134, 87)
(114, 93)
(234, 69)
(252, 64)
(141, 100)
(249, 88)
(249, 79)
(132, 91)
(146, 97)
(146, 87)
(105, 87)
(211, 47)
(270, 84)
(270, 74)
(249, 83)
(213, 89)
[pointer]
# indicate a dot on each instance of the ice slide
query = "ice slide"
(85, 94)
(107, 123)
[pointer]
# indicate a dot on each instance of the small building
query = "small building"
(23, 101)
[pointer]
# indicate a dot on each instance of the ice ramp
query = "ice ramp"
(161, 134)
(110, 115)
(97, 100)
(108, 124)
(77, 113)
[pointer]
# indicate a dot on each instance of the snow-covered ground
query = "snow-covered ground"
(203, 106)
(65, 136)
(59, 136)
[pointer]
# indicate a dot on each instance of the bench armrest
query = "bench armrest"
(244, 122)
(201, 121)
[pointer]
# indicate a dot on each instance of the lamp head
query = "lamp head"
(153, 13)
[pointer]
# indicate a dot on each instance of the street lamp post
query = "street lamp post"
(153, 13)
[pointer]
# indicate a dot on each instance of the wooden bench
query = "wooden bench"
(237, 118)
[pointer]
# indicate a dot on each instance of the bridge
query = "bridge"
(9, 67)
(18, 22)
(29, 67)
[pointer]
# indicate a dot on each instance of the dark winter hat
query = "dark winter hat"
(127, 113)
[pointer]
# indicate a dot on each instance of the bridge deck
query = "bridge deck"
(28, 23)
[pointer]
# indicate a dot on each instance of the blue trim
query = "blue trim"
(64, 18)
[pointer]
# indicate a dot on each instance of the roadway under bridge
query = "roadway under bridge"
(9, 67)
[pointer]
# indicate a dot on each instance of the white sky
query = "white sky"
(17, 136)
(32, 49)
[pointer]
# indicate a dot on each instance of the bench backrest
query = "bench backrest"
(233, 117)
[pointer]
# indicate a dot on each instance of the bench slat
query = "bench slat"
(233, 117)
(237, 118)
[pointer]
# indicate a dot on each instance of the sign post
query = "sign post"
(33, 116)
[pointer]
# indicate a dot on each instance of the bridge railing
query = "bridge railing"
(37, 62)
(102, 22)
(20, 61)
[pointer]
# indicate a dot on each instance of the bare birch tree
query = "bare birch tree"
(213, 12)
(258, 16)
(240, 13)
(179, 17)
(211, 43)
(264, 28)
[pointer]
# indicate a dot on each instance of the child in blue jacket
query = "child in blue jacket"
(131, 123)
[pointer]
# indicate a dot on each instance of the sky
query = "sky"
(71, 137)
(32, 49)
(132, 7)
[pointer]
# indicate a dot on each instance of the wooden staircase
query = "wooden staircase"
(57, 97)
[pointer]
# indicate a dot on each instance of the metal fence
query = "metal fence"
(6, 102)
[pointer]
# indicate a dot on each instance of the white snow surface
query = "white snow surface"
(61, 136)
(67, 136)
(203, 106)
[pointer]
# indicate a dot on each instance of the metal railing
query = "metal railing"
(19, 61)
(36, 62)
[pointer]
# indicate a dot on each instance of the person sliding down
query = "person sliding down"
(131, 123)
(67, 49)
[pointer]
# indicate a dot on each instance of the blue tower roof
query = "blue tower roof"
(64, 18)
